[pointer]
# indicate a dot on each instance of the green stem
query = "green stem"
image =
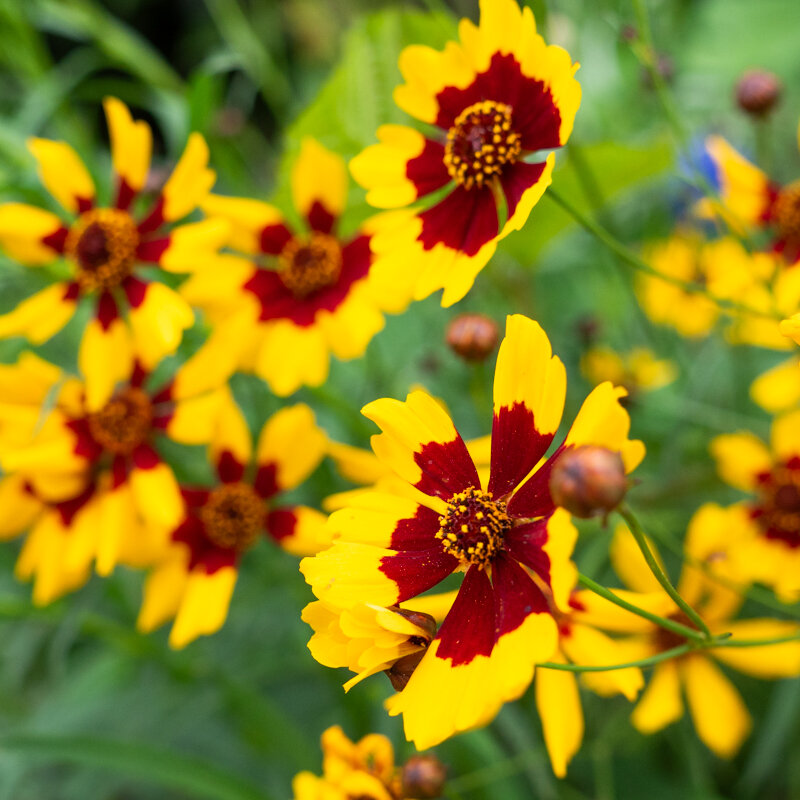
(662, 622)
(661, 576)
(795, 637)
(628, 256)
(642, 662)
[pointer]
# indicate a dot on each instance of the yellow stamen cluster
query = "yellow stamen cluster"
(233, 516)
(787, 211)
(306, 267)
(123, 423)
(480, 143)
(103, 243)
(780, 502)
(473, 527)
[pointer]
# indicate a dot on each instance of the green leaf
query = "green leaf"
(194, 776)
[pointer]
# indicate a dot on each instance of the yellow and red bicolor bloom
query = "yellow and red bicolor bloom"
(363, 769)
(638, 370)
(195, 580)
(309, 293)
(769, 523)
(109, 250)
(96, 472)
(749, 200)
(507, 537)
(497, 99)
(720, 716)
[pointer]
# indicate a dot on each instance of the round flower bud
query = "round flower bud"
(423, 777)
(758, 92)
(588, 481)
(472, 336)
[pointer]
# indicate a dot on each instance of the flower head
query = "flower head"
(194, 581)
(498, 98)
(506, 535)
(108, 247)
(308, 293)
(638, 370)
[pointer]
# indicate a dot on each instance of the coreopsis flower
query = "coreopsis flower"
(718, 712)
(110, 251)
(725, 270)
(195, 580)
(365, 770)
(750, 201)
(506, 535)
(770, 518)
(96, 473)
(495, 100)
(306, 292)
(638, 370)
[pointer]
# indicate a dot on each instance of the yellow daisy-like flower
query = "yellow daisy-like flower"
(507, 536)
(727, 271)
(719, 714)
(749, 200)
(100, 490)
(195, 579)
(311, 292)
(637, 370)
(770, 518)
(107, 248)
(498, 98)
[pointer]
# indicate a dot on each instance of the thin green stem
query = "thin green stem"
(661, 576)
(795, 637)
(642, 662)
(628, 256)
(662, 622)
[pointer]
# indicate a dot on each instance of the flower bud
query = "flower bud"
(472, 336)
(423, 777)
(758, 92)
(400, 672)
(588, 481)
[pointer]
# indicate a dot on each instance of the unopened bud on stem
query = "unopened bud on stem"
(423, 777)
(472, 336)
(588, 481)
(758, 92)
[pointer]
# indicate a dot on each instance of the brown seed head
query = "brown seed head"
(758, 92)
(423, 777)
(472, 336)
(588, 481)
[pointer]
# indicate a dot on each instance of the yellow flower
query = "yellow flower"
(720, 717)
(506, 535)
(493, 102)
(309, 294)
(637, 370)
(770, 520)
(103, 491)
(107, 248)
(194, 581)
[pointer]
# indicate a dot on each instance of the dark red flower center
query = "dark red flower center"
(480, 143)
(233, 516)
(307, 267)
(474, 526)
(778, 511)
(103, 244)
(123, 423)
(667, 640)
(786, 212)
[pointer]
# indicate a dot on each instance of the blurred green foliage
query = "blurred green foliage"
(90, 710)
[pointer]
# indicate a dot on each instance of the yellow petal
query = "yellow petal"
(768, 661)
(194, 420)
(40, 316)
(63, 173)
(720, 716)
(194, 247)
(778, 389)
(131, 143)
(559, 704)
(190, 182)
(246, 217)
(105, 358)
(308, 365)
(785, 435)
(740, 458)
(163, 591)
(22, 230)
(293, 442)
(629, 563)
(661, 702)
(318, 175)
(158, 323)
(232, 434)
(309, 535)
(20, 507)
(156, 494)
(204, 605)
